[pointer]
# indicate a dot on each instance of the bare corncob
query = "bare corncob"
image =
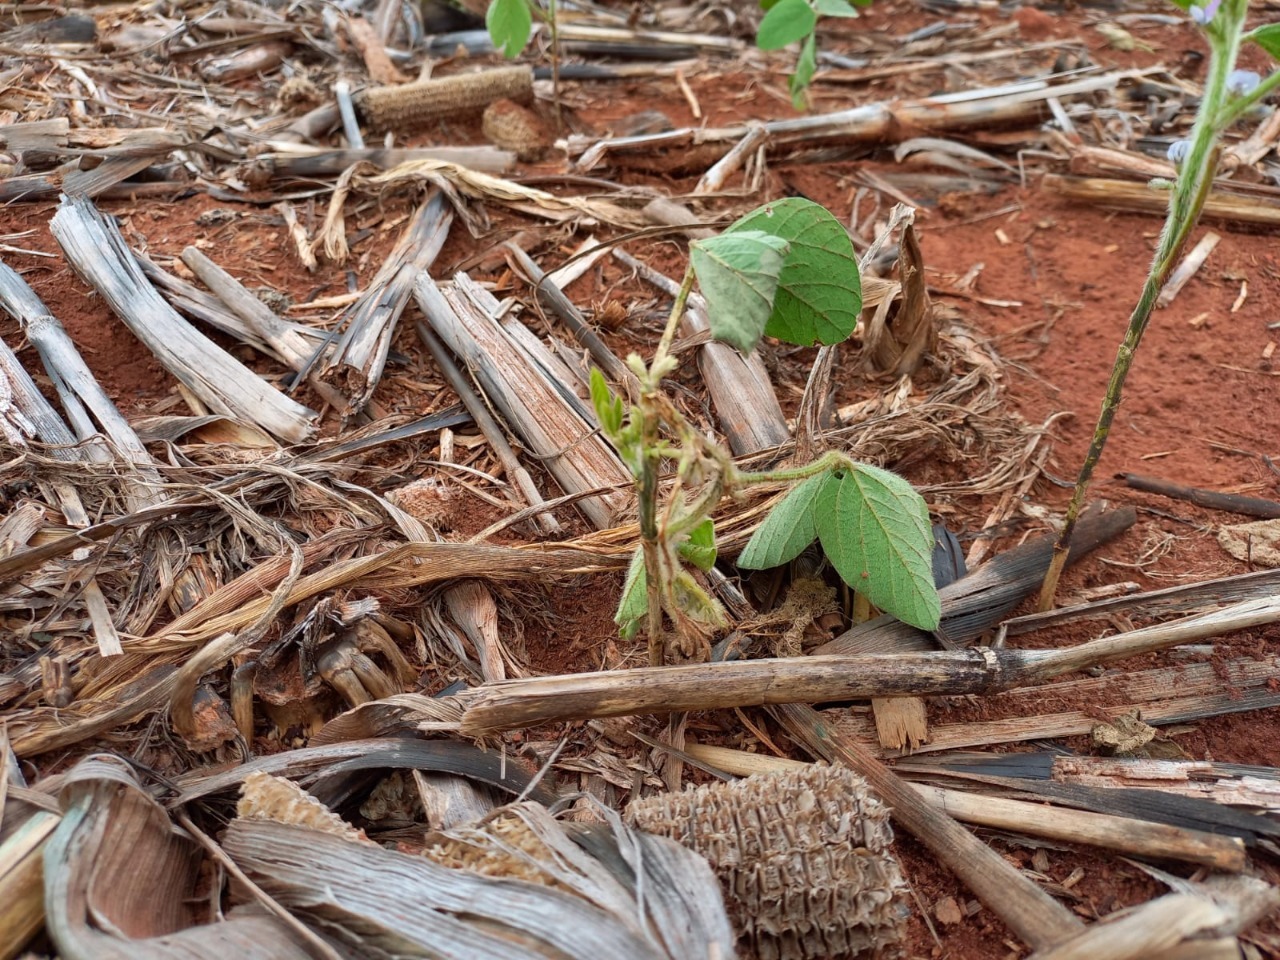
(414, 105)
(805, 860)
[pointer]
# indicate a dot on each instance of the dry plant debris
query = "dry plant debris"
(805, 860)
(242, 540)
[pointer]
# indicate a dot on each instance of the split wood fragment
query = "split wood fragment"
(874, 122)
(1188, 268)
(1229, 502)
(1146, 931)
(357, 360)
(22, 876)
(464, 316)
(97, 251)
(511, 464)
(608, 362)
(284, 160)
(1164, 695)
(291, 346)
(1179, 599)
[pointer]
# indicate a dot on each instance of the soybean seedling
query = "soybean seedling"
(786, 270)
(510, 25)
(790, 21)
(1228, 95)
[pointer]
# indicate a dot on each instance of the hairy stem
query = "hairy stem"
(1189, 194)
(828, 461)
(673, 323)
(651, 409)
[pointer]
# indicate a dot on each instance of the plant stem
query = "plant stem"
(1195, 180)
(673, 322)
(828, 461)
(649, 407)
(555, 65)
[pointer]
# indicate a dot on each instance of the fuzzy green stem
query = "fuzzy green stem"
(661, 354)
(650, 413)
(1195, 180)
(828, 461)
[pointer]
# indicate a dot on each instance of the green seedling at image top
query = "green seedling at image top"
(510, 25)
(786, 270)
(796, 21)
(1229, 95)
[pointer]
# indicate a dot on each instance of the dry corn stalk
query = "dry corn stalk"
(414, 105)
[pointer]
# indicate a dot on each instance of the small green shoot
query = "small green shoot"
(510, 25)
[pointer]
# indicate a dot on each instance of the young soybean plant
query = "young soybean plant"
(788, 21)
(786, 270)
(510, 25)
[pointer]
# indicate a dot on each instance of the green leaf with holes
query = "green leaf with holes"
(819, 296)
(786, 22)
(874, 528)
(738, 273)
(510, 24)
(790, 527)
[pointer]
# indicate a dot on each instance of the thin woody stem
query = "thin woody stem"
(1189, 195)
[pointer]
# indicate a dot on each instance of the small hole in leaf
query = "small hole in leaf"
(866, 575)
(838, 474)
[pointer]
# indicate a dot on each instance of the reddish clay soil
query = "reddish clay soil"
(1200, 408)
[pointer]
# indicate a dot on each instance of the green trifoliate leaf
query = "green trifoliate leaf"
(634, 606)
(819, 294)
(790, 527)
(874, 528)
(700, 548)
(509, 23)
(786, 22)
(738, 273)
